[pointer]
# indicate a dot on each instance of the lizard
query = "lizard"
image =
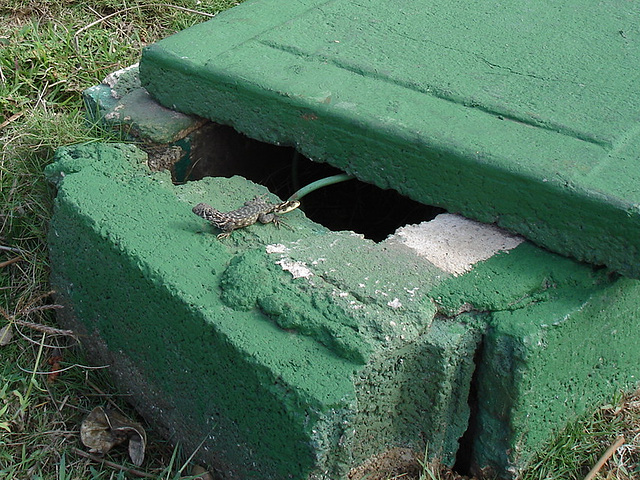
(251, 212)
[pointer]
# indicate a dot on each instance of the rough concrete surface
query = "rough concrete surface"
(276, 371)
(302, 353)
(123, 105)
(520, 114)
(561, 338)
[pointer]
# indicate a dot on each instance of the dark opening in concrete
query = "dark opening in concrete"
(221, 151)
(463, 464)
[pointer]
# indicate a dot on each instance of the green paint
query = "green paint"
(252, 281)
(121, 106)
(123, 280)
(515, 279)
(524, 115)
(218, 340)
(430, 381)
(301, 352)
(561, 338)
(546, 363)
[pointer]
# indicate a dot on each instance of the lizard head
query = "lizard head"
(286, 207)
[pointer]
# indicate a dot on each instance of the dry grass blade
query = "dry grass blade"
(136, 7)
(10, 261)
(12, 118)
(97, 459)
(603, 459)
(10, 249)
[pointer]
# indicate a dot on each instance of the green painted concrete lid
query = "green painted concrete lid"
(526, 114)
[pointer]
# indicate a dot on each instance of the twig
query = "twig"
(10, 261)
(12, 118)
(603, 459)
(10, 249)
(132, 471)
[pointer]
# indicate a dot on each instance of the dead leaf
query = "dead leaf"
(96, 433)
(103, 429)
(137, 444)
(6, 334)
(54, 360)
(201, 473)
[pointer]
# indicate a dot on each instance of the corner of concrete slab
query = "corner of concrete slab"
(118, 288)
(124, 108)
(121, 103)
(547, 363)
(560, 339)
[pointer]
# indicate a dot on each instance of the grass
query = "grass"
(577, 448)
(49, 52)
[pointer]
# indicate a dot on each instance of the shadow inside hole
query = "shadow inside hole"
(220, 151)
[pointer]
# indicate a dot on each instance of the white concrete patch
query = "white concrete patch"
(276, 248)
(395, 303)
(296, 269)
(454, 243)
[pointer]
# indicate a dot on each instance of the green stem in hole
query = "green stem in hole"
(323, 182)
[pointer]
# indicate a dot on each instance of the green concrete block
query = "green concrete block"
(302, 353)
(120, 105)
(562, 338)
(292, 353)
(123, 105)
(524, 116)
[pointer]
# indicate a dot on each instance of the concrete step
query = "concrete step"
(304, 353)
(524, 115)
